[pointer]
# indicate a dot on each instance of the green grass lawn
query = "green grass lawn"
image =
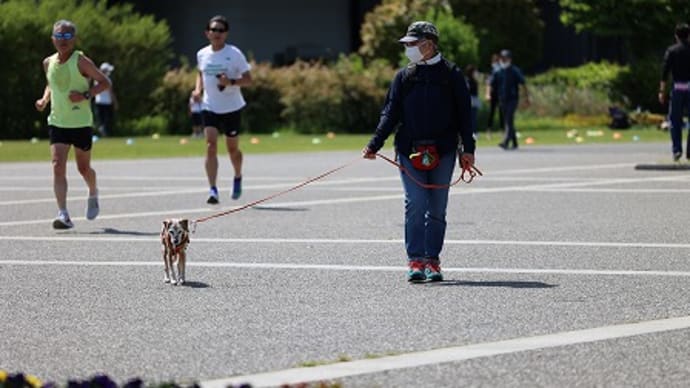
(180, 146)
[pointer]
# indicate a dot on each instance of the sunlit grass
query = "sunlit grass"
(532, 132)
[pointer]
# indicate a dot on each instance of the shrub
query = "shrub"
(137, 45)
(147, 125)
(637, 84)
(172, 100)
(590, 75)
(264, 106)
(558, 101)
(344, 97)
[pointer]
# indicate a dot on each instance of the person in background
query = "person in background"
(223, 70)
(492, 96)
(197, 119)
(507, 82)
(106, 103)
(677, 62)
(475, 103)
(70, 122)
(429, 105)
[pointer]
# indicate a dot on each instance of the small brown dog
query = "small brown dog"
(175, 238)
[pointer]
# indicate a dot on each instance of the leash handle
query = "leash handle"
(471, 172)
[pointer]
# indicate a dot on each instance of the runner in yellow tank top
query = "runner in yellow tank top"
(70, 120)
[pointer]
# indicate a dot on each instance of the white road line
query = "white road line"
(451, 354)
(585, 244)
(463, 190)
(342, 267)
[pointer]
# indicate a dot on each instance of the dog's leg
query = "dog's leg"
(171, 263)
(165, 262)
(181, 264)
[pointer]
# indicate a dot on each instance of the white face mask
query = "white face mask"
(413, 54)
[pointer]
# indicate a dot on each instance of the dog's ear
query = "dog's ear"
(185, 224)
(166, 224)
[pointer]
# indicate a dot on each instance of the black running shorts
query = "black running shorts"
(79, 137)
(227, 123)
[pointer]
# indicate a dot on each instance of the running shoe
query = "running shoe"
(62, 221)
(237, 188)
(415, 272)
(92, 208)
(432, 272)
(212, 196)
(676, 156)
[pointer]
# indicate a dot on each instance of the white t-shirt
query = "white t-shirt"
(194, 106)
(228, 60)
(104, 97)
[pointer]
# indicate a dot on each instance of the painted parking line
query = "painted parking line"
(341, 267)
(464, 190)
(584, 244)
(451, 354)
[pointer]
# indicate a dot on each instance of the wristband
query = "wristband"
(86, 95)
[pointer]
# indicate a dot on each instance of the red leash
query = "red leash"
(262, 200)
(472, 171)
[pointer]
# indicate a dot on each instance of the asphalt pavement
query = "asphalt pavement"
(564, 266)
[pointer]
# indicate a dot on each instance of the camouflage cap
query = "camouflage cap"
(419, 30)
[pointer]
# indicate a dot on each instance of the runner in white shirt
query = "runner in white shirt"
(223, 69)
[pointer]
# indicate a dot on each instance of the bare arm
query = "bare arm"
(198, 87)
(88, 69)
(45, 99)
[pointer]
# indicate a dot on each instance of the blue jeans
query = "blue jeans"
(425, 209)
(508, 108)
(680, 100)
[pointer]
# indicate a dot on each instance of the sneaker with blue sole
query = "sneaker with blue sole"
(415, 271)
(236, 188)
(432, 272)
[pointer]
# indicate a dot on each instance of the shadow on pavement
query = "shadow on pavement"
(124, 232)
(508, 284)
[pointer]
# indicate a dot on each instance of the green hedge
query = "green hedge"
(346, 96)
(137, 45)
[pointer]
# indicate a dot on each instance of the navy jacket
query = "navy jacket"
(677, 62)
(432, 105)
(506, 83)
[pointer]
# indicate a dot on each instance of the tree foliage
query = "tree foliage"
(645, 26)
(386, 23)
(503, 24)
(137, 45)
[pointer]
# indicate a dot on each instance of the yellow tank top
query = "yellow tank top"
(62, 79)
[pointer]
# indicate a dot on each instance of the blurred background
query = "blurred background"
(321, 66)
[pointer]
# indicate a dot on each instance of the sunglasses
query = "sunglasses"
(63, 35)
(218, 30)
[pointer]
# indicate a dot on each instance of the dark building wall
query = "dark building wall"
(279, 31)
(266, 30)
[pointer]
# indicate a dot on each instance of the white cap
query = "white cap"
(107, 67)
